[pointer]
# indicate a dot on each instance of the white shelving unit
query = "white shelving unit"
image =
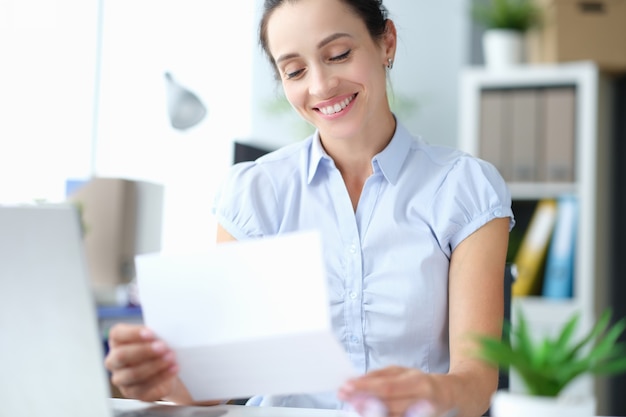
(591, 184)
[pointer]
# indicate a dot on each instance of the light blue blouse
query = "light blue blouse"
(387, 263)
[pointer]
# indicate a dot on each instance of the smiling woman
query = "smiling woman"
(414, 235)
(343, 50)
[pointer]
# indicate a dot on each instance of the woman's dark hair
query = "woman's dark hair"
(372, 12)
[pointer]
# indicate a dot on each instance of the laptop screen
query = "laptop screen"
(50, 351)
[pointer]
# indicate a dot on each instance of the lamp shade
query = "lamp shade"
(184, 108)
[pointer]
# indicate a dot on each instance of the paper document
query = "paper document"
(246, 318)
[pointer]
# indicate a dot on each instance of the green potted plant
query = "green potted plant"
(505, 22)
(549, 365)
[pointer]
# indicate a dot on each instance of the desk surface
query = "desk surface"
(227, 410)
(240, 410)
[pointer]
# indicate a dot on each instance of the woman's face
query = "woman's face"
(332, 71)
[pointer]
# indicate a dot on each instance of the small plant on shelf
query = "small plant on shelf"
(549, 365)
(517, 15)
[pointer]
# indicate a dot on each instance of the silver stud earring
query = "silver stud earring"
(389, 63)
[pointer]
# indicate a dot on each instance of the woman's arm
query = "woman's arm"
(223, 235)
(475, 306)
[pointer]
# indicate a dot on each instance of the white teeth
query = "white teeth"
(337, 107)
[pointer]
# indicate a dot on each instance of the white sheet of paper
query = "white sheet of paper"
(246, 318)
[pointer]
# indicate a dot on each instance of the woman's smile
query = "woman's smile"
(333, 108)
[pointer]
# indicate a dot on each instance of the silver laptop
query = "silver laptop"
(51, 353)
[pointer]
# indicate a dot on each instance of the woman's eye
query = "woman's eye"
(342, 56)
(293, 74)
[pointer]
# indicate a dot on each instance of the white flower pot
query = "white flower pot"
(507, 404)
(503, 48)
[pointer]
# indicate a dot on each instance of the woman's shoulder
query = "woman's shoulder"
(447, 164)
(286, 154)
(289, 155)
(442, 159)
(437, 153)
(250, 200)
(286, 162)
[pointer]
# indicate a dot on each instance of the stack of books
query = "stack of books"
(544, 261)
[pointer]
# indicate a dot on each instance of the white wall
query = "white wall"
(48, 54)
(434, 40)
(47, 72)
(206, 46)
(433, 47)
(49, 57)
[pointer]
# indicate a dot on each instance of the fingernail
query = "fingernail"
(158, 346)
(420, 409)
(346, 389)
(146, 333)
(368, 406)
(374, 408)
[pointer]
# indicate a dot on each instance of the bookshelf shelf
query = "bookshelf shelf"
(535, 191)
(530, 133)
(545, 312)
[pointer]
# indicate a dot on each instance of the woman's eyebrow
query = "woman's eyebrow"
(320, 45)
(286, 57)
(331, 38)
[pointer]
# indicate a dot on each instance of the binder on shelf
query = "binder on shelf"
(493, 146)
(559, 134)
(559, 274)
(524, 133)
(531, 256)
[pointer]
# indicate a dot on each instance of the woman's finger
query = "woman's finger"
(144, 372)
(123, 333)
(160, 385)
(390, 384)
(127, 355)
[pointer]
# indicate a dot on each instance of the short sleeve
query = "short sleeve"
(246, 202)
(472, 194)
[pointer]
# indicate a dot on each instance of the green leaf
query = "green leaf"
(568, 330)
(560, 352)
(611, 367)
(598, 329)
(517, 15)
(522, 336)
(606, 344)
(548, 365)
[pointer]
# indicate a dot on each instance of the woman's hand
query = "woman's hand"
(398, 392)
(141, 366)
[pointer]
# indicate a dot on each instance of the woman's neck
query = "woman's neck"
(353, 155)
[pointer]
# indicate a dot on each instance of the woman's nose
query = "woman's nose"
(322, 82)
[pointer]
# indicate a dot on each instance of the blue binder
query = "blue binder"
(559, 273)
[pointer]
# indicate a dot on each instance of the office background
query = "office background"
(76, 102)
(82, 92)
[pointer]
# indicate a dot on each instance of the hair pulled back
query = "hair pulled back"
(372, 12)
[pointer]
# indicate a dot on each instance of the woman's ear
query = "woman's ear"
(389, 41)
